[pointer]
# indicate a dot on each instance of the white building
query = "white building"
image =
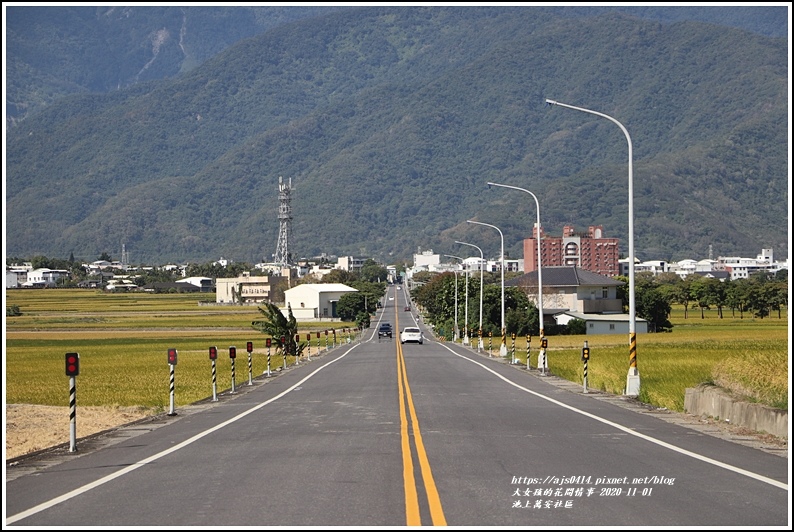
(315, 301)
(44, 277)
(742, 268)
(16, 277)
(120, 284)
(604, 323)
(737, 267)
(349, 264)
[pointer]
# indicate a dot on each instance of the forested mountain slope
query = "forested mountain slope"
(390, 121)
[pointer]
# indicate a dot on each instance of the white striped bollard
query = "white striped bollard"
(172, 363)
(72, 370)
(249, 348)
(213, 356)
(232, 356)
(585, 358)
(268, 343)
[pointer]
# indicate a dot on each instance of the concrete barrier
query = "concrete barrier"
(713, 401)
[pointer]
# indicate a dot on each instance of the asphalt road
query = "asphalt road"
(375, 433)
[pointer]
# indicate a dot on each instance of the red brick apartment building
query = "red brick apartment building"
(589, 251)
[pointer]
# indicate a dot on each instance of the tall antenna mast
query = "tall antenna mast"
(283, 255)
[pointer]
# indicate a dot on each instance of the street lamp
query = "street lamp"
(455, 328)
(466, 312)
(482, 260)
(503, 348)
(540, 270)
(633, 378)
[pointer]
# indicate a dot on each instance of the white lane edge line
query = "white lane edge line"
(627, 430)
(104, 480)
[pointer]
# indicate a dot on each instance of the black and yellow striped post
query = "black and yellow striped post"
(513, 347)
(490, 343)
(633, 378)
(529, 341)
(544, 344)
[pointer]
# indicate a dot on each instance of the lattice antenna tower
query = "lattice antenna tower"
(125, 256)
(283, 254)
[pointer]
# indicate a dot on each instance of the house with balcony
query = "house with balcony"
(245, 289)
(570, 292)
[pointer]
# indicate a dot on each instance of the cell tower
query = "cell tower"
(283, 255)
(125, 256)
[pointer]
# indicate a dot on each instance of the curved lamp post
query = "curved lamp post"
(633, 378)
(455, 328)
(482, 261)
(466, 312)
(503, 348)
(540, 270)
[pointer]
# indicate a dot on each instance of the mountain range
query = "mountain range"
(389, 121)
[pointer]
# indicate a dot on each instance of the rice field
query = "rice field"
(749, 357)
(123, 340)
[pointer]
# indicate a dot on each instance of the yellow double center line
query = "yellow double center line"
(412, 515)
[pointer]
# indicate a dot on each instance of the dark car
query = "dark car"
(385, 329)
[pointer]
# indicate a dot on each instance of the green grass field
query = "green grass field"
(123, 340)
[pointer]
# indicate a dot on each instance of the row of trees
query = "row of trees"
(759, 296)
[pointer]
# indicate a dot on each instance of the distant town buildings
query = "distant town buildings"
(427, 261)
(722, 268)
(589, 251)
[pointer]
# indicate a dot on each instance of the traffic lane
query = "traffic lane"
(300, 460)
(481, 433)
(631, 417)
(154, 436)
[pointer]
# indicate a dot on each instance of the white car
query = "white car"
(412, 334)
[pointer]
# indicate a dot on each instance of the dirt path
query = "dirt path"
(31, 428)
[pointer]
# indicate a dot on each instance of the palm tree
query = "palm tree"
(278, 326)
